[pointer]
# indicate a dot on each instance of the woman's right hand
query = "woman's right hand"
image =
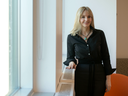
(72, 65)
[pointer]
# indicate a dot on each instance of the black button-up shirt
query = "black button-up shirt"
(95, 49)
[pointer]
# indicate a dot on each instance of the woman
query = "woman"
(88, 46)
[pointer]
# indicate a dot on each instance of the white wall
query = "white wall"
(26, 43)
(104, 12)
(47, 45)
(122, 29)
(44, 48)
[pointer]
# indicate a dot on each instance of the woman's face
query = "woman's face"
(85, 19)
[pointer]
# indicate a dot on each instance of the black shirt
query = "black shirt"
(95, 49)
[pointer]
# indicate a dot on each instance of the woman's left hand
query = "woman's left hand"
(108, 83)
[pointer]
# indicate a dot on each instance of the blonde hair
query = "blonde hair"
(77, 26)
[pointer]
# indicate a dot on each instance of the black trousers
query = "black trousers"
(90, 79)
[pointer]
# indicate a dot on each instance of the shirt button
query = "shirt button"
(88, 53)
(87, 45)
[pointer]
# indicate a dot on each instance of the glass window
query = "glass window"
(13, 48)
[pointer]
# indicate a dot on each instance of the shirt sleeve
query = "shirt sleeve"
(70, 51)
(105, 55)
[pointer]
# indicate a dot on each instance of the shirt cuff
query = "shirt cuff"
(68, 61)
